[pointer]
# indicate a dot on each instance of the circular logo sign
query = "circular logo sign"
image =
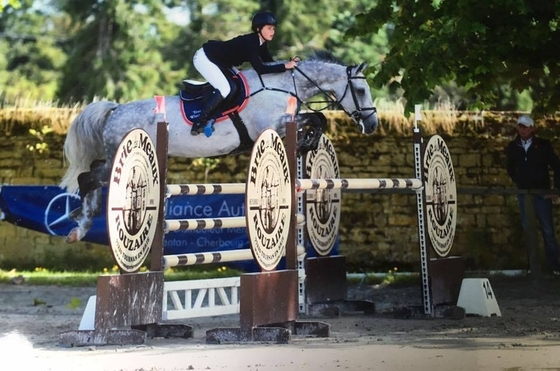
(322, 205)
(133, 200)
(441, 195)
(268, 200)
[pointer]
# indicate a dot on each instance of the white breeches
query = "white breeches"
(211, 72)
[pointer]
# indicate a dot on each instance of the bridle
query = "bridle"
(355, 115)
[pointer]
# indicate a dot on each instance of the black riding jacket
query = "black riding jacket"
(530, 170)
(244, 48)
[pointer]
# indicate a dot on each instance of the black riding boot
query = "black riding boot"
(211, 104)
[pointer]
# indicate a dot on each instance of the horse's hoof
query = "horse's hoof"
(73, 236)
(197, 129)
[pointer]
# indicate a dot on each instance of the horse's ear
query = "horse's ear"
(362, 67)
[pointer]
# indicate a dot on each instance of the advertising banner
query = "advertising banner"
(47, 209)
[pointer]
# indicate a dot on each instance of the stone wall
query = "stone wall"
(378, 231)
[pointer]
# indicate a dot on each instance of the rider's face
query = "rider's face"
(267, 32)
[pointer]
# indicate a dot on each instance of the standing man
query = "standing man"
(529, 159)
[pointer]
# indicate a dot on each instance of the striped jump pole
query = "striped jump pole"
(182, 260)
(211, 223)
(367, 183)
(204, 189)
(208, 223)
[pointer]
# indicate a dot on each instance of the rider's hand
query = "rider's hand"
(290, 65)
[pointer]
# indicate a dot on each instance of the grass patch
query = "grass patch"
(42, 276)
(390, 278)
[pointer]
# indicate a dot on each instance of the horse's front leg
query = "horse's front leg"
(310, 129)
(91, 205)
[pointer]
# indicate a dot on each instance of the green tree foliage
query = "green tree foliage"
(208, 20)
(369, 48)
(301, 26)
(301, 29)
(11, 3)
(30, 53)
(79, 50)
(481, 45)
(114, 53)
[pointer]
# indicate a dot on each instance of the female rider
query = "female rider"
(217, 55)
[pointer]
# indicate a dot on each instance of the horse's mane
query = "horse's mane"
(324, 56)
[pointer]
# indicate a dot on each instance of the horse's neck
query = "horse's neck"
(319, 77)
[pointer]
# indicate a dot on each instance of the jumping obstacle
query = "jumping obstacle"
(269, 297)
(281, 288)
(325, 286)
(436, 204)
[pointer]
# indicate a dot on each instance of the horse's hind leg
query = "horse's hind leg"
(90, 193)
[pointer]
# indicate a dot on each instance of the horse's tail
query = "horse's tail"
(84, 141)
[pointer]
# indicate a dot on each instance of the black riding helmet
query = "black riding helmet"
(262, 19)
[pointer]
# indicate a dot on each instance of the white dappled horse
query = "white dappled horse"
(97, 131)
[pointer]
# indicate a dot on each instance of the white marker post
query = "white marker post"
(417, 115)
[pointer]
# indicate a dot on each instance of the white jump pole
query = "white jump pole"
(205, 189)
(208, 223)
(183, 260)
(211, 223)
(365, 183)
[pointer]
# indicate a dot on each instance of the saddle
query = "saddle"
(194, 94)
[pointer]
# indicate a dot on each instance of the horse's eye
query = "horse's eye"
(361, 91)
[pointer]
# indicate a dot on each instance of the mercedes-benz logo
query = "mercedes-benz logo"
(57, 213)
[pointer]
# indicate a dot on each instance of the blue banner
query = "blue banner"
(46, 209)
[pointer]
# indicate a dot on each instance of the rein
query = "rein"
(330, 101)
(355, 115)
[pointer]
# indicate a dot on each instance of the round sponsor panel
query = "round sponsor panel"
(133, 200)
(441, 195)
(268, 200)
(322, 205)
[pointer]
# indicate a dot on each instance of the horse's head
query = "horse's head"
(356, 100)
(343, 86)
